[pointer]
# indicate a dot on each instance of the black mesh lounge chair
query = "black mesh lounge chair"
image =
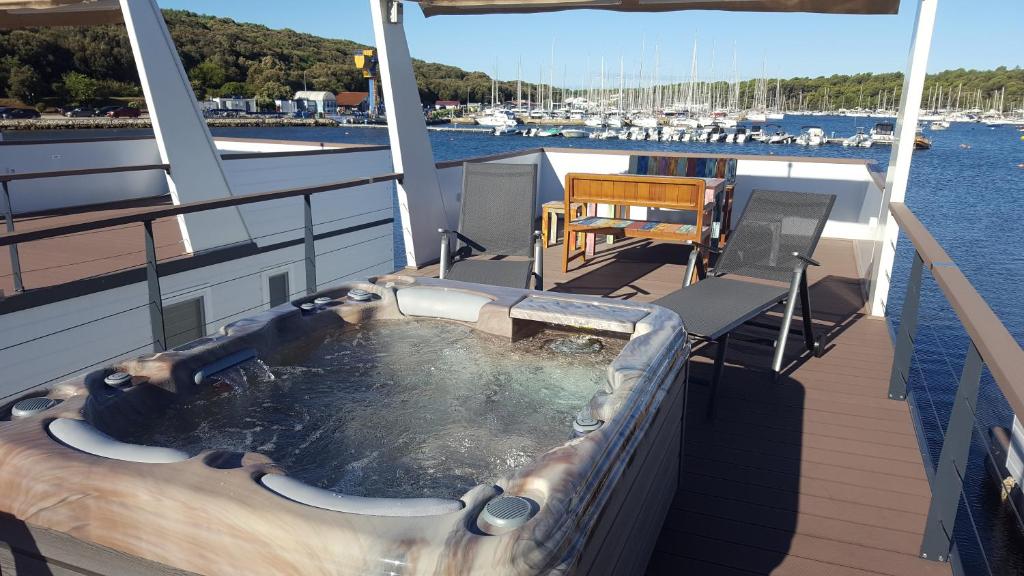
(771, 246)
(497, 242)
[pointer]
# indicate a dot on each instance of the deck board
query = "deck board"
(818, 474)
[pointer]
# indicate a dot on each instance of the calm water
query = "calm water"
(410, 408)
(967, 190)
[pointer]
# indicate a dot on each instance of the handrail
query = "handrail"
(83, 172)
(155, 212)
(991, 344)
(997, 346)
(928, 247)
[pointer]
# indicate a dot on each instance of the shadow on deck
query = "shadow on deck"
(819, 474)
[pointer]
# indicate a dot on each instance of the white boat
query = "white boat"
(497, 118)
(738, 135)
(812, 136)
(939, 125)
(859, 140)
(614, 121)
(776, 115)
(595, 121)
(757, 117)
(644, 122)
(883, 133)
(574, 133)
(779, 136)
(683, 122)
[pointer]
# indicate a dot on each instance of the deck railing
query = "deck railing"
(991, 345)
(147, 215)
(6, 179)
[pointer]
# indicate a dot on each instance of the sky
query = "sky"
(968, 34)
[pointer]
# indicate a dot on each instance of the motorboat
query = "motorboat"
(859, 140)
(939, 125)
(780, 136)
(497, 118)
(644, 121)
(883, 133)
(574, 133)
(812, 136)
(757, 133)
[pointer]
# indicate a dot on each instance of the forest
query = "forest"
(62, 66)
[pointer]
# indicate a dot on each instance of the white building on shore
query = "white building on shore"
(317, 101)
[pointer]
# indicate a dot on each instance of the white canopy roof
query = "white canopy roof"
(435, 7)
(38, 13)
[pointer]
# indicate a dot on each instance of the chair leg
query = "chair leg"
(721, 346)
(567, 246)
(538, 261)
(691, 263)
(805, 312)
(787, 319)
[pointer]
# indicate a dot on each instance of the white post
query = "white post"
(902, 149)
(419, 193)
(182, 136)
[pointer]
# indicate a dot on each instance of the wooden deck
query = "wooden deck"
(86, 254)
(817, 475)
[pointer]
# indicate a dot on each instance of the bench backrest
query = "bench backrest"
(692, 167)
(632, 190)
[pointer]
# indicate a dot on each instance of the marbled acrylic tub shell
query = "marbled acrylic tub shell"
(209, 513)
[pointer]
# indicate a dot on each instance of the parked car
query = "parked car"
(105, 110)
(124, 112)
(80, 113)
(20, 113)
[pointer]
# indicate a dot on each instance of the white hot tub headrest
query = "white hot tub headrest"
(80, 435)
(440, 303)
(303, 493)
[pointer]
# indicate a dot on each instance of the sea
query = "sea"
(968, 189)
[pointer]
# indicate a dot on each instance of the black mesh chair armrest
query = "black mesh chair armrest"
(460, 236)
(806, 259)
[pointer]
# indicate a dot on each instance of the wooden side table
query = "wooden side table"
(549, 234)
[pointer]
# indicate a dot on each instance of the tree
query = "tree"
(207, 75)
(24, 84)
(267, 71)
(79, 87)
(233, 89)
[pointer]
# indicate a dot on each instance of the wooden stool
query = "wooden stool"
(549, 234)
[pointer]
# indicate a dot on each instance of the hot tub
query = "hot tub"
(394, 426)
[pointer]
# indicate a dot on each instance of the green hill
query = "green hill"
(222, 56)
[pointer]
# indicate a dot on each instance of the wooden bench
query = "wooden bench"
(626, 191)
(715, 166)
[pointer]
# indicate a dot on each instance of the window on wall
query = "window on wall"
(184, 322)
(278, 288)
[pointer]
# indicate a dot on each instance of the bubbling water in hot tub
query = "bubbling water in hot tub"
(397, 408)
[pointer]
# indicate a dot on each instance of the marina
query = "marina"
(330, 348)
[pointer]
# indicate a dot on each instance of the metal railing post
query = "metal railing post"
(905, 338)
(156, 302)
(310, 245)
(19, 286)
(948, 481)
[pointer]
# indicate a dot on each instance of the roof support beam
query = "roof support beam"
(902, 149)
(419, 192)
(181, 133)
